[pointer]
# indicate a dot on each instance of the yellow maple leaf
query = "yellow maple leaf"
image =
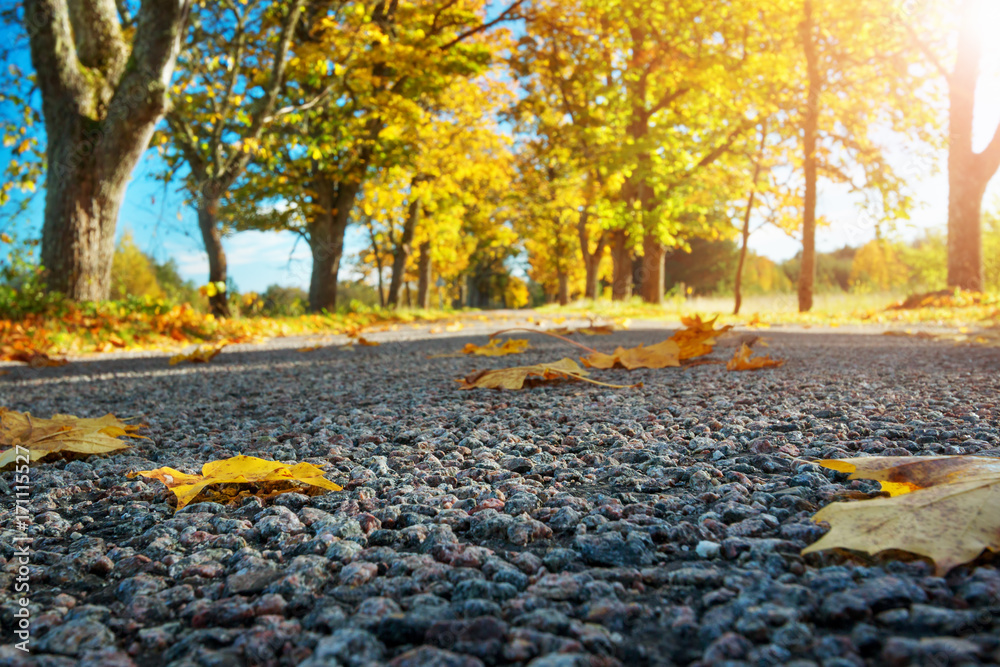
(61, 433)
(941, 507)
(660, 355)
(743, 360)
(497, 349)
(200, 355)
(237, 470)
(519, 376)
(515, 378)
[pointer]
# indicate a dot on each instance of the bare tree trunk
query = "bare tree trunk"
(208, 209)
(738, 283)
(334, 203)
(402, 251)
(968, 172)
(563, 295)
(621, 280)
(424, 276)
(409, 301)
(378, 263)
(653, 270)
(807, 273)
(591, 260)
(101, 98)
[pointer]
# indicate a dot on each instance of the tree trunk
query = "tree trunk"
(326, 239)
(401, 254)
(101, 99)
(563, 288)
(653, 270)
(807, 272)
(81, 212)
(424, 273)
(591, 260)
(621, 281)
(738, 283)
(968, 172)
(208, 209)
(378, 263)
(409, 301)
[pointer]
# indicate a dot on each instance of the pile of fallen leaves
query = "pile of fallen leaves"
(42, 339)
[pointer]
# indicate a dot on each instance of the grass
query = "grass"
(959, 310)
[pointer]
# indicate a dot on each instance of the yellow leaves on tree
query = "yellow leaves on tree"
(743, 360)
(946, 508)
(61, 433)
(200, 355)
(270, 476)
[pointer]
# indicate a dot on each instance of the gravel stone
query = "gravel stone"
(566, 524)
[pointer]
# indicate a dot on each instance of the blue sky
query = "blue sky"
(165, 227)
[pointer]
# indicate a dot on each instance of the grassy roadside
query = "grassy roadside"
(954, 310)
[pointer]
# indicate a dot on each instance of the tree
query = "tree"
(132, 271)
(857, 80)
(234, 66)
(103, 77)
(969, 172)
(386, 66)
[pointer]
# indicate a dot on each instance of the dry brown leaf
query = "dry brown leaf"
(743, 360)
(36, 359)
(61, 433)
(515, 378)
(364, 342)
(497, 349)
(237, 470)
(946, 508)
(310, 348)
(200, 355)
(660, 355)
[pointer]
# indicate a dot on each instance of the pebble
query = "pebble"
(562, 525)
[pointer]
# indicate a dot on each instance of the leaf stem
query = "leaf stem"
(546, 333)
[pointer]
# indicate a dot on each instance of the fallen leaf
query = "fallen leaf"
(660, 355)
(61, 433)
(200, 355)
(364, 342)
(519, 376)
(237, 470)
(4, 372)
(599, 330)
(497, 349)
(454, 326)
(36, 359)
(309, 348)
(697, 338)
(743, 360)
(946, 508)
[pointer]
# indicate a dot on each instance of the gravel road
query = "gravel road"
(566, 525)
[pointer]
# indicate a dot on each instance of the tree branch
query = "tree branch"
(53, 53)
(505, 15)
(238, 161)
